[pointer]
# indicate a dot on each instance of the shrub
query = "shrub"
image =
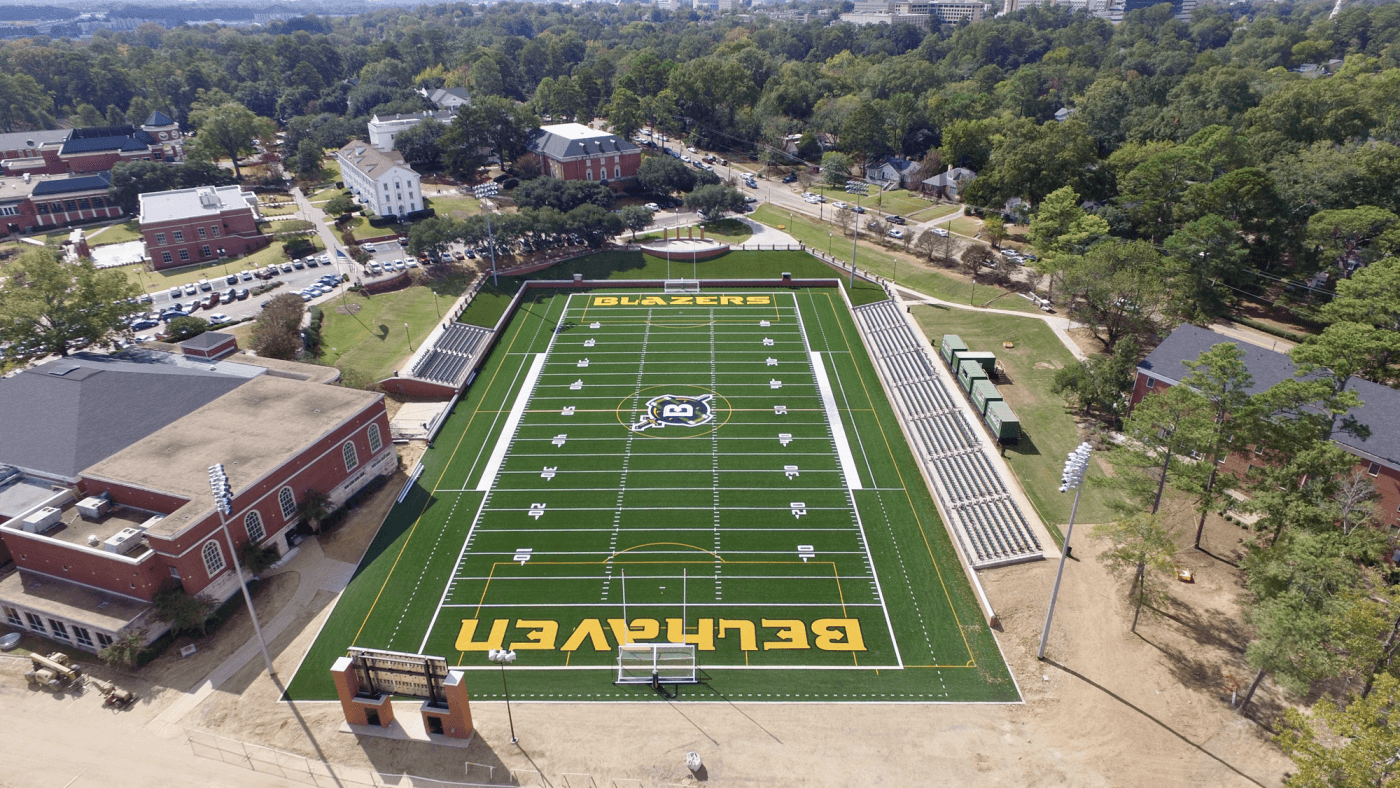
(256, 559)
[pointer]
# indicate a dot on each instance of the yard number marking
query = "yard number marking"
(772, 362)
(595, 324)
(784, 438)
(779, 410)
(567, 411)
(560, 439)
(536, 510)
(775, 384)
(583, 362)
(549, 472)
(590, 343)
(764, 324)
(576, 385)
(767, 342)
(791, 471)
(805, 551)
(798, 508)
(522, 554)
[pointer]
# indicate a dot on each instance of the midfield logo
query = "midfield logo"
(675, 410)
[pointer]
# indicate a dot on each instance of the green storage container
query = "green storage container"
(1003, 422)
(949, 348)
(968, 373)
(987, 359)
(983, 393)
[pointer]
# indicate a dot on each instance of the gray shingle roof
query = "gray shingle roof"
(67, 415)
(19, 140)
(1380, 405)
(158, 118)
(82, 183)
(96, 144)
(556, 143)
(207, 341)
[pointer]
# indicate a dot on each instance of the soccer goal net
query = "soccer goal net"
(682, 285)
(656, 663)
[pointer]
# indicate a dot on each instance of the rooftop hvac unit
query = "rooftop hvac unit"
(146, 526)
(207, 197)
(42, 520)
(9, 473)
(124, 540)
(94, 508)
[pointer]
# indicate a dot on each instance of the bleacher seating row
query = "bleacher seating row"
(990, 524)
(449, 360)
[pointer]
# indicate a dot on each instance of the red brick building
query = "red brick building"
(187, 226)
(89, 150)
(1377, 455)
(33, 202)
(112, 502)
(575, 152)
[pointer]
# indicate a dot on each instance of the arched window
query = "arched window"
(351, 458)
(213, 557)
(617, 172)
(589, 173)
(288, 501)
(375, 442)
(253, 522)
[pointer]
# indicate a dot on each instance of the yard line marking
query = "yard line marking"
(498, 454)
(670, 605)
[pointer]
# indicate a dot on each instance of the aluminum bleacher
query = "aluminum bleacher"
(450, 358)
(990, 524)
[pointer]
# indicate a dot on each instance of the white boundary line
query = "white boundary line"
(517, 410)
(838, 432)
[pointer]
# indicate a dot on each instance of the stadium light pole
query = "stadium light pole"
(482, 191)
(859, 189)
(223, 501)
(1072, 479)
(505, 657)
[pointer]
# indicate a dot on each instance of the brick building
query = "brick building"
(34, 202)
(187, 226)
(575, 152)
(1377, 455)
(90, 150)
(105, 499)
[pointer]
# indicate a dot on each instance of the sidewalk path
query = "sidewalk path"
(763, 235)
(1060, 325)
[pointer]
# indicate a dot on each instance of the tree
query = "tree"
(665, 175)
(1119, 290)
(625, 113)
(1162, 432)
(47, 304)
(562, 195)
(1344, 350)
(836, 169)
(421, 144)
(306, 161)
(125, 649)
(1141, 546)
(1206, 255)
(974, 258)
(314, 507)
(277, 332)
(714, 201)
(1351, 747)
(845, 218)
(227, 129)
(1352, 238)
(865, 133)
(636, 218)
(595, 224)
(185, 612)
(133, 178)
(1371, 295)
(924, 245)
(340, 205)
(23, 103)
(995, 228)
(1100, 385)
(182, 328)
(1060, 229)
(1222, 380)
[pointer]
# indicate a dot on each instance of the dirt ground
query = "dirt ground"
(1108, 708)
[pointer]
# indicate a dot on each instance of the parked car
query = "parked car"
(218, 317)
(144, 323)
(241, 294)
(205, 286)
(246, 276)
(368, 247)
(211, 302)
(190, 289)
(311, 262)
(411, 263)
(653, 207)
(895, 220)
(231, 279)
(286, 268)
(298, 264)
(790, 178)
(939, 231)
(174, 292)
(896, 233)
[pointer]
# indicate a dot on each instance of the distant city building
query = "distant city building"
(915, 12)
(187, 226)
(383, 130)
(575, 152)
(1112, 10)
(383, 182)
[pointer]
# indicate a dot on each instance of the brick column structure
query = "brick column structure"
(455, 719)
(360, 710)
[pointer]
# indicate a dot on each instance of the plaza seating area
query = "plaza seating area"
(991, 525)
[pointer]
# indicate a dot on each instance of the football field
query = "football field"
(720, 469)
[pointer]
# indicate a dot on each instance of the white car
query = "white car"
(838, 205)
(218, 317)
(368, 247)
(939, 231)
(811, 198)
(896, 233)
(653, 207)
(691, 149)
(411, 263)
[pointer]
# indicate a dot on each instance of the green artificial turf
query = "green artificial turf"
(739, 533)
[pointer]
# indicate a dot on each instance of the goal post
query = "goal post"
(682, 286)
(657, 663)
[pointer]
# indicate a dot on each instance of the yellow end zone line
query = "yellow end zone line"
(971, 660)
(448, 465)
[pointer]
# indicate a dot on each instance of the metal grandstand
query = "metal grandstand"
(990, 524)
(448, 355)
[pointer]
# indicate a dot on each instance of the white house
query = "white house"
(381, 181)
(383, 130)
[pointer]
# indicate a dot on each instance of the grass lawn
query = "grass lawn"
(164, 280)
(1049, 432)
(280, 209)
(966, 225)
(934, 212)
(455, 206)
(116, 234)
(883, 263)
(363, 229)
(490, 303)
(728, 230)
(897, 201)
(325, 195)
(369, 343)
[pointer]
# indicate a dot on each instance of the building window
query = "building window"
(84, 205)
(201, 233)
(287, 501)
(213, 557)
(617, 172)
(215, 230)
(104, 640)
(165, 257)
(9, 210)
(1151, 382)
(12, 616)
(253, 522)
(179, 236)
(55, 206)
(160, 239)
(184, 254)
(81, 635)
(1375, 469)
(42, 207)
(206, 251)
(1258, 450)
(59, 630)
(35, 623)
(351, 458)
(98, 202)
(589, 174)
(175, 572)
(70, 205)
(375, 441)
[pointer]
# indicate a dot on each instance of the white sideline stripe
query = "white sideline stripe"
(838, 432)
(498, 454)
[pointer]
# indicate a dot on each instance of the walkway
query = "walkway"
(763, 235)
